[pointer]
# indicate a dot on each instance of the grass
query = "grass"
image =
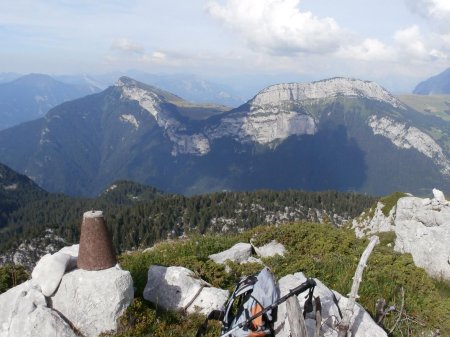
(433, 105)
(318, 250)
(390, 201)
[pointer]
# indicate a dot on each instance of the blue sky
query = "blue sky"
(394, 42)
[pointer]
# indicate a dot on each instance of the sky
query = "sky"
(396, 43)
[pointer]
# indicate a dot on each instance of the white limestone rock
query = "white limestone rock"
(407, 137)
(439, 196)
(49, 270)
(239, 253)
(364, 326)
(377, 224)
(151, 101)
(8, 302)
(422, 228)
(24, 313)
(42, 321)
(93, 300)
(271, 249)
(176, 288)
(252, 259)
(263, 125)
(70, 250)
(424, 231)
(325, 89)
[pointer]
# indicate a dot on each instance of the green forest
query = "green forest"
(139, 216)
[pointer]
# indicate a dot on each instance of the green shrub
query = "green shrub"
(11, 275)
(141, 319)
(390, 201)
(319, 251)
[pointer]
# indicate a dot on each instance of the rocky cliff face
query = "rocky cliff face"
(422, 228)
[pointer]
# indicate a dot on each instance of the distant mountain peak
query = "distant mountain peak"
(325, 89)
(36, 81)
(127, 81)
(131, 85)
(32, 96)
(438, 84)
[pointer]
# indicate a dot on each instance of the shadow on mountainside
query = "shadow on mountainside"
(327, 160)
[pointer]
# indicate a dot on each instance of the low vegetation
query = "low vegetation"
(390, 201)
(318, 250)
(11, 275)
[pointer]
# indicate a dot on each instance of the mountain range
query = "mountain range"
(339, 133)
(31, 96)
(188, 86)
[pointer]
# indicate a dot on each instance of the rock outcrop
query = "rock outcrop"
(49, 271)
(239, 253)
(378, 223)
(271, 249)
(243, 253)
(62, 301)
(93, 300)
(24, 313)
(422, 228)
(177, 288)
(363, 325)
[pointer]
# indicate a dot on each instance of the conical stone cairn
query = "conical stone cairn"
(96, 250)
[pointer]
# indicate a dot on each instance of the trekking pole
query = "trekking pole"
(309, 283)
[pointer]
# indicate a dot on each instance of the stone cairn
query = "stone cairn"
(96, 249)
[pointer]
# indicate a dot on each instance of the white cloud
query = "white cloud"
(368, 50)
(412, 44)
(437, 11)
(278, 26)
(125, 45)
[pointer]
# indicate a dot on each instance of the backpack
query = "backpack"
(251, 295)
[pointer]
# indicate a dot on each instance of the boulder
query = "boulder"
(439, 196)
(70, 250)
(379, 223)
(177, 288)
(424, 231)
(93, 300)
(271, 249)
(24, 313)
(239, 253)
(49, 270)
(89, 301)
(363, 326)
(8, 302)
(422, 228)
